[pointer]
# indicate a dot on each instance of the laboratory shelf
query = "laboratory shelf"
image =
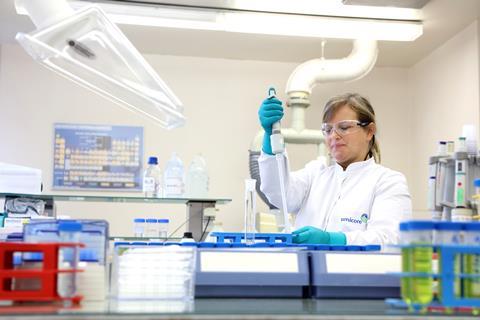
(195, 206)
(106, 198)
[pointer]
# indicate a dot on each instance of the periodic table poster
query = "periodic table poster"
(97, 157)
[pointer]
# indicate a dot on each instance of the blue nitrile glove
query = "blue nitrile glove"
(270, 112)
(313, 235)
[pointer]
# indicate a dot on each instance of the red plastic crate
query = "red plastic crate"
(46, 274)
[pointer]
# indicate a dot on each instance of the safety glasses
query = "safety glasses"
(343, 128)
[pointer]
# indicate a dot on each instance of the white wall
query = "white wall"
(221, 99)
(445, 95)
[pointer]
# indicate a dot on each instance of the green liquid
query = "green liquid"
(405, 282)
(471, 287)
(422, 286)
(417, 290)
(456, 270)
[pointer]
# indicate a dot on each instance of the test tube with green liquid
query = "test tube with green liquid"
(471, 262)
(419, 259)
(405, 282)
(449, 233)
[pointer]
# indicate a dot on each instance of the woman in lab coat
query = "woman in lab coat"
(353, 201)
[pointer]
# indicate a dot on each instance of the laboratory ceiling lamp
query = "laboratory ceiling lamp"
(86, 47)
(260, 22)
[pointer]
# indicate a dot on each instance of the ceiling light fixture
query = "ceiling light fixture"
(258, 22)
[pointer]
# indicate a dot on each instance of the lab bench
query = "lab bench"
(223, 309)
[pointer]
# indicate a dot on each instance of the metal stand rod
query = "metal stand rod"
(195, 218)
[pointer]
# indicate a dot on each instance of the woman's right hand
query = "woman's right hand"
(270, 111)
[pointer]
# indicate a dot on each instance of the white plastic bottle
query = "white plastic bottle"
(152, 178)
(173, 178)
(197, 178)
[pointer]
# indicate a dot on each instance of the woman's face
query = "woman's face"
(352, 145)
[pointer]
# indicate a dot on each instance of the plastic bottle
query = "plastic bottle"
(151, 228)
(197, 178)
(469, 131)
(476, 185)
(69, 231)
(442, 148)
(139, 227)
(163, 228)
(187, 237)
(152, 178)
(450, 147)
(173, 178)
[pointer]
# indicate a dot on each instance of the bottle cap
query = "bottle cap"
(188, 235)
(153, 160)
(163, 220)
(139, 220)
(69, 226)
(151, 220)
(476, 182)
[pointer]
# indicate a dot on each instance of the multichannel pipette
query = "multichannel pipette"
(278, 149)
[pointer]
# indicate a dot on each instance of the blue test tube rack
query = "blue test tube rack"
(237, 237)
(447, 275)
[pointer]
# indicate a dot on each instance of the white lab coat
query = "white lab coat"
(366, 201)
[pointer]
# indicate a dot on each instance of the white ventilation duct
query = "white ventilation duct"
(299, 87)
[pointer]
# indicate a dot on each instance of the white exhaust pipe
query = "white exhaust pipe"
(360, 61)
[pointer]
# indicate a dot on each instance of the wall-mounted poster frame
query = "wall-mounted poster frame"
(97, 157)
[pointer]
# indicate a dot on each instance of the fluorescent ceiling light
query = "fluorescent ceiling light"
(258, 22)
(328, 8)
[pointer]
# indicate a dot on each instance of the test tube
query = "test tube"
(68, 257)
(471, 262)
(139, 227)
(250, 210)
(405, 282)
(420, 260)
(448, 233)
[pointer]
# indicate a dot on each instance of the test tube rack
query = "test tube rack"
(237, 237)
(46, 274)
(447, 276)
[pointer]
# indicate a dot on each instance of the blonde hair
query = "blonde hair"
(362, 107)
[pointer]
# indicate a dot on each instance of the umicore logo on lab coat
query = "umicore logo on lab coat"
(363, 219)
